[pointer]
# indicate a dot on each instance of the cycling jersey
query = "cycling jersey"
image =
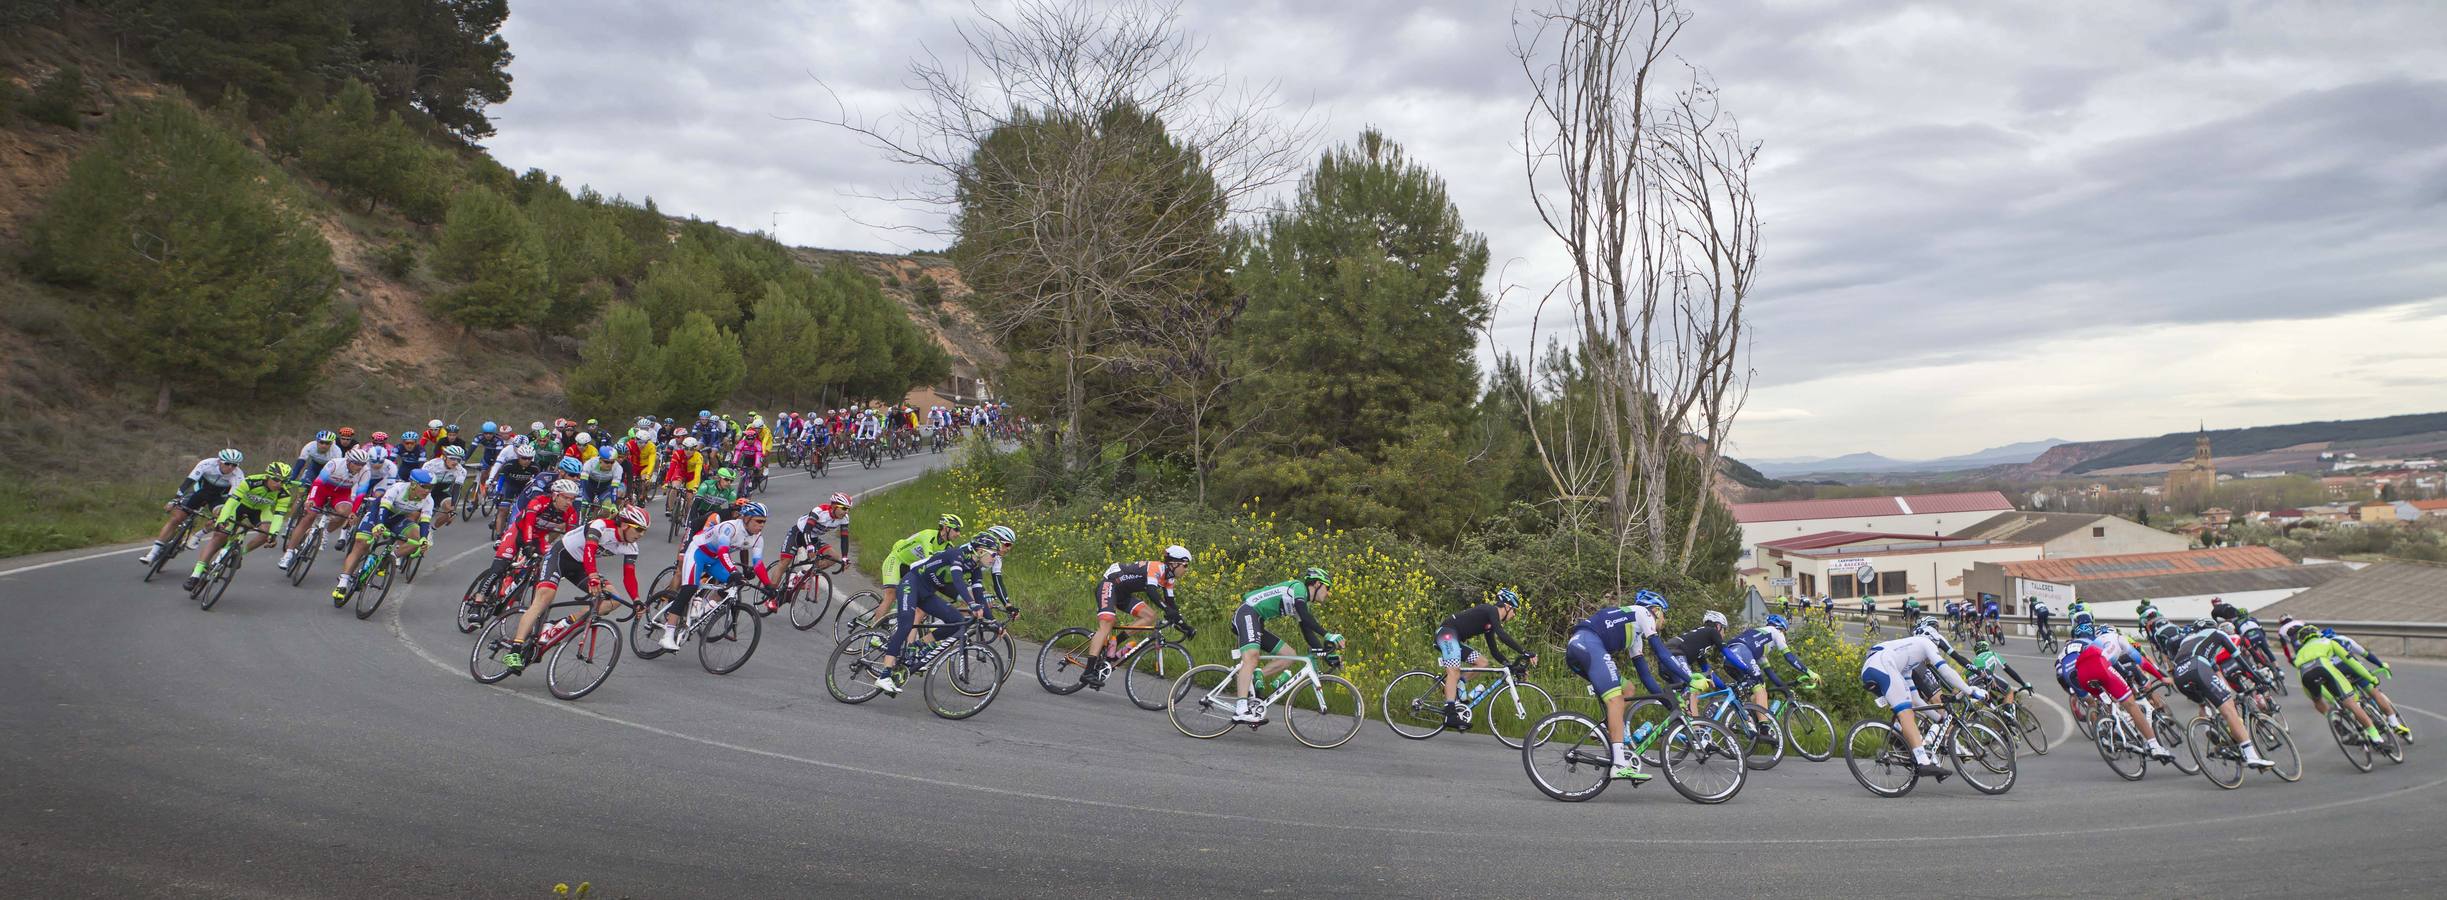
(336, 483)
(2322, 660)
(251, 498)
(809, 531)
(1991, 663)
(583, 545)
(313, 457)
(1146, 580)
(909, 550)
(1594, 641)
(207, 480)
(602, 470)
(1747, 653)
(1482, 621)
(1287, 598)
(1688, 652)
(445, 475)
(1887, 670)
(396, 510)
(710, 553)
(510, 478)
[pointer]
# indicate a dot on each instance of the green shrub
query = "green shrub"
(396, 260)
(12, 99)
(57, 97)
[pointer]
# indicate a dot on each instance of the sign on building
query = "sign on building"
(2056, 596)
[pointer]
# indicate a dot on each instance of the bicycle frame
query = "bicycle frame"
(1304, 676)
(1506, 684)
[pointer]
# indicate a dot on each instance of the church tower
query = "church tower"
(2193, 483)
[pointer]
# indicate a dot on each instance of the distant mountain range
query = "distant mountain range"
(1873, 464)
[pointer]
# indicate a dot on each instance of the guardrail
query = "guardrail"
(2387, 639)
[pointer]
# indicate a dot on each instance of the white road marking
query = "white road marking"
(123, 551)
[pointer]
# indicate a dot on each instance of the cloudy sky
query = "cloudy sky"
(1985, 223)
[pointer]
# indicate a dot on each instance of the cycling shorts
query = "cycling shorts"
(707, 566)
(2198, 680)
(592, 491)
(1585, 654)
(568, 567)
(333, 496)
(1893, 689)
(401, 524)
(1252, 632)
(2095, 676)
(1109, 600)
(204, 497)
(1451, 651)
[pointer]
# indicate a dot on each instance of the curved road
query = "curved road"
(277, 747)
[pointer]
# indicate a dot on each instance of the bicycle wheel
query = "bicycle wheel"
(228, 571)
(306, 553)
(1809, 730)
(2033, 732)
(2349, 739)
(1567, 757)
(2174, 738)
(484, 660)
(2269, 674)
(1324, 715)
(1512, 710)
(2086, 714)
(1200, 701)
(1762, 740)
(1413, 705)
(1705, 761)
(414, 564)
(1062, 659)
(1879, 759)
(2273, 741)
(853, 613)
(642, 625)
(810, 601)
(379, 591)
(1984, 757)
(964, 681)
(477, 601)
(2214, 755)
(728, 637)
(1150, 670)
(580, 662)
(2390, 745)
(2121, 751)
(849, 673)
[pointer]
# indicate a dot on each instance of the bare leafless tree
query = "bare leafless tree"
(1070, 212)
(1648, 192)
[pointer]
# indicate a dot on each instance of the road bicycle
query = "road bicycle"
(2008, 715)
(2047, 639)
(725, 628)
(2357, 745)
(1321, 710)
(1805, 725)
(1880, 760)
(1569, 757)
(378, 566)
(185, 537)
(1413, 705)
(2120, 743)
(312, 545)
(1143, 656)
(2217, 755)
(578, 654)
(998, 632)
(224, 564)
(1728, 705)
(493, 595)
(963, 673)
(807, 589)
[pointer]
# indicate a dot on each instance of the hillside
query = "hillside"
(1872, 463)
(2294, 446)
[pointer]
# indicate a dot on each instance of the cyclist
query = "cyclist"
(1484, 621)
(1911, 608)
(489, 442)
(1888, 673)
(914, 548)
(331, 490)
(2331, 675)
(601, 481)
(2040, 613)
(1869, 610)
(2355, 647)
(316, 454)
(2078, 612)
(532, 524)
(711, 561)
(404, 507)
(1826, 603)
(686, 468)
(2255, 638)
(1589, 652)
(1688, 653)
(1990, 671)
(2363, 676)
(1297, 598)
(1990, 612)
(2145, 615)
(577, 562)
(449, 471)
(2206, 658)
(1748, 651)
(713, 498)
(509, 479)
(1954, 612)
(1151, 580)
(206, 485)
(808, 531)
(253, 496)
(2087, 667)
(951, 573)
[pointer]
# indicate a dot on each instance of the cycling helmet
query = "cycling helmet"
(454, 453)
(633, 516)
(435, 424)
(1507, 597)
(381, 436)
(565, 488)
(1777, 622)
(705, 414)
(842, 500)
(324, 437)
(278, 470)
(1712, 617)
(232, 456)
(591, 422)
(951, 521)
(571, 465)
(689, 443)
(1317, 575)
(2204, 623)
(2084, 631)
(1177, 553)
(2082, 618)
(487, 428)
(526, 451)
(347, 432)
(1928, 623)
(726, 474)
(450, 429)
(422, 477)
(2325, 631)
(1649, 598)
(535, 426)
(1001, 534)
(751, 510)
(585, 438)
(360, 455)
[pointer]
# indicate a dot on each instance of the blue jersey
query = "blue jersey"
(956, 569)
(1620, 627)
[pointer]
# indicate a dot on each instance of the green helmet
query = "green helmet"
(726, 473)
(952, 522)
(1317, 575)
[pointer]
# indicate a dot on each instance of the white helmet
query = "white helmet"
(1713, 618)
(565, 488)
(526, 451)
(690, 443)
(842, 500)
(535, 426)
(435, 424)
(360, 456)
(585, 438)
(1177, 553)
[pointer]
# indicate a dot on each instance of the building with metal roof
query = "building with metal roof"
(2061, 535)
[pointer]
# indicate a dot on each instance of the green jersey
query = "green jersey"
(2322, 651)
(911, 550)
(1275, 600)
(1988, 662)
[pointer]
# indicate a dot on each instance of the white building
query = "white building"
(1934, 515)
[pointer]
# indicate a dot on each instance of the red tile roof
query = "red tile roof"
(1826, 539)
(2427, 505)
(2090, 568)
(1865, 507)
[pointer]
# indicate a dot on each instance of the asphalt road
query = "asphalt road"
(276, 747)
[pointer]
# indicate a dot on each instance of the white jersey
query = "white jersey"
(1898, 656)
(317, 454)
(726, 536)
(602, 470)
(336, 474)
(208, 472)
(604, 533)
(445, 473)
(395, 500)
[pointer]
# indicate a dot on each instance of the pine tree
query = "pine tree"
(703, 362)
(57, 97)
(781, 349)
(203, 275)
(687, 281)
(498, 257)
(619, 372)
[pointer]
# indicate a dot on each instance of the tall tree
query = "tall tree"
(619, 372)
(702, 361)
(205, 278)
(781, 348)
(687, 281)
(446, 58)
(498, 258)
